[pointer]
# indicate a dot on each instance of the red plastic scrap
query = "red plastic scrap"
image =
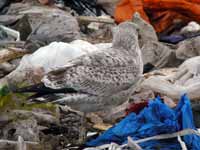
(136, 107)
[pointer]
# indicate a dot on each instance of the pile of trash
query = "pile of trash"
(99, 74)
(154, 120)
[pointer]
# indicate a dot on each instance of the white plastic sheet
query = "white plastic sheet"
(56, 54)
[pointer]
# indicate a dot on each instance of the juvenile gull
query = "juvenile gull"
(99, 80)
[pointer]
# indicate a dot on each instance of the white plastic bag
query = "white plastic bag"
(56, 54)
(33, 67)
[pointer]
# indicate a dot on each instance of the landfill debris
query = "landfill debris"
(20, 143)
(188, 48)
(191, 27)
(81, 7)
(9, 54)
(76, 48)
(155, 119)
(95, 26)
(97, 122)
(164, 15)
(192, 30)
(9, 34)
(173, 39)
(85, 7)
(39, 125)
(133, 144)
(169, 102)
(3, 4)
(183, 79)
(195, 110)
(100, 19)
(44, 2)
(47, 24)
(136, 107)
(108, 5)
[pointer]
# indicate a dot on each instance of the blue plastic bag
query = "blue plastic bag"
(153, 120)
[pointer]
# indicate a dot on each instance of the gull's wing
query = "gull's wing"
(100, 73)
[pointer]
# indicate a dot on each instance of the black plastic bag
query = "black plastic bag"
(85, 7)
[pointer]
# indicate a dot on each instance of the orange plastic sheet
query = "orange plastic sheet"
(160, 13)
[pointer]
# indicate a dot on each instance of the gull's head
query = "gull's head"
(125, 35)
